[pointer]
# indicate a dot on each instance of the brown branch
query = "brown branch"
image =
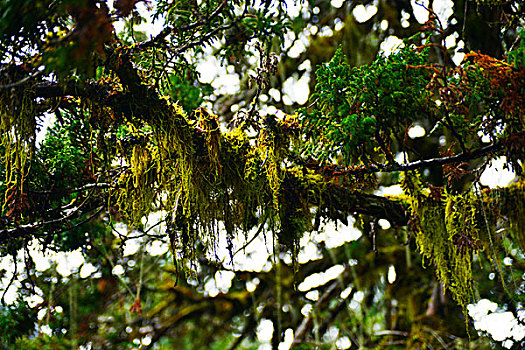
(418, 164)
(301, 331)
(351, 202)
(7, 234)
(71, 88)
(21, 81)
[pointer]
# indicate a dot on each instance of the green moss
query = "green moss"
(509, 202)
(18, 132)
(209, 126)
(135, 192)
(463, 228)
(515, 209)
(448, 232)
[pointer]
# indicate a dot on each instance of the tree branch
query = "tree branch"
(418, 164)
(7, 234)
(71, 88)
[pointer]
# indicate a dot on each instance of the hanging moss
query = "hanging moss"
(510, 202)
(18, 132)
(294, 214)
(272, 160)
(205, 177)
(449, 230)
(136, 191)
(240, 168)
(428, 217)
(464, 229)
(175, 155)
(180, 169)
(209, 126)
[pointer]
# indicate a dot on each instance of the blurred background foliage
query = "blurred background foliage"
(107, 285)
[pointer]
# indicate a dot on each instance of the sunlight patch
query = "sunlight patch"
(363, 13)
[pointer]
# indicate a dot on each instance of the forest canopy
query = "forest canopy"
(212, 174)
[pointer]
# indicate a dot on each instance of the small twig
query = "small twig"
(300, 333)
(250, 325)
(20, 82)
(313, 103)
(255, 236)
(439, 339)
(77, 189)
(464, 19)
(391, 332)
(141, 271)
(108, 258)
(83, 221)
(158, 223)
(28, 262)
(15, 272)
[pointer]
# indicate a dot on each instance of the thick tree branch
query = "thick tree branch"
(347, 201)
